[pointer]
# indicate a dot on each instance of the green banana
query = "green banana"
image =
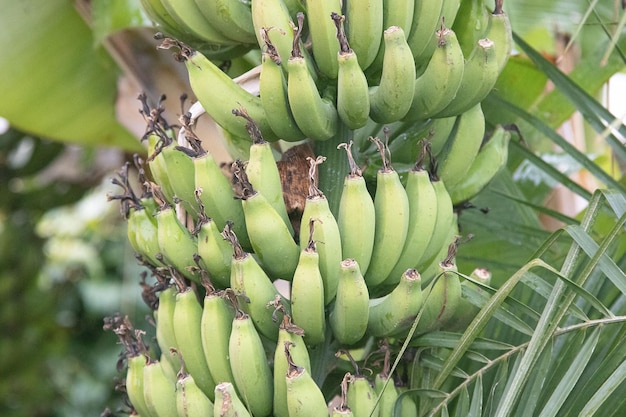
(253, 288)
(216, 195)
(231, 18)
(156, 163)
(166, 339)
(293, 335)
(395, 312)
(323, 35)
(490, 160)
(441, 297)
(443, 224)
(252, 373)
(480, 74)
(391, 99)
(361, 397)
(326, 231)
(395, 13)
(187, 329)
(208, 81)
(188, 16)
(215, 253)
(363, 25)
(272, 18)
(159, 15)
(353, 102)
(422, 218)
(227, 402)
(304, 397)
(385, 389)
(269, 236)
(176, 243)
(190, 400)
(307, 293)
(349, 316)
(462, 146)
(262, 172)
(273, 92)
(499, 31)
(427, 19)
(180, 171)
(342, 409)
(142, 233)
(159, 391)
(356, 217)
(438, 84)
(315, 115)
(392, 220)
(215, 328)
(466, 310)
(471, 24)
(134, 383)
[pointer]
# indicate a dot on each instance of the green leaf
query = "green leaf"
(54, 83)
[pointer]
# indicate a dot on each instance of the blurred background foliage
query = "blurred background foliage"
(71, 71)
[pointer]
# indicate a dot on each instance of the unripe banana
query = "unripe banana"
(272, 17)
(392, 220)
(466, 311)
(480, 74)
(227, 403)
(388, 393)
(273, 91)
(156, 163)
(342, 409)
(304, 397)
(471, 24)
(269, 236)
(262, 172)
(231, 18)
(215, 253)
(440, 81)
(395, 312)
(134, 383)
(427, 19)
(165, 324)
(307, 293)
(326, 232)
(490, 160)
(180, 171)
(253, 288)
(408, 408)
(159, 391)
(159, 15)
(208, 81)
(190, 400)
(142, 233)
(499, 31)
(422, 218)
(176, 242)
(356, 217)
(315, 115)
(188, 16)
(364, 24)
(361, 396)
(215, 329)
(252, 373)
(462, 146)
(187, 329)
(391, 99)
(444, 223)
(216, 194)
(323, 35)
(353, 101)
(441, 298)
(349, 316)
(293, 335)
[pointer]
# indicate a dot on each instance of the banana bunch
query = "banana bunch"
(261, 289)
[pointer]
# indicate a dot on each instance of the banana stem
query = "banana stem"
(323, 358)
(333, 171)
